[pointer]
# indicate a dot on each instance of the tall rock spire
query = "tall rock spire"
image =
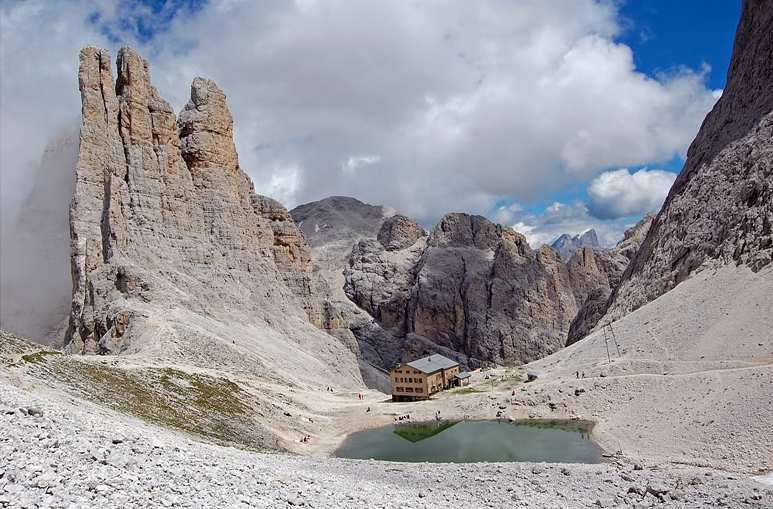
(101, 153)
(164, 218)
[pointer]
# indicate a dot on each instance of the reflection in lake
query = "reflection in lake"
(475, 441)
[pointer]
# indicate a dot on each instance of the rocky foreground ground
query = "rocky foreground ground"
(62, 452)
(690, 417)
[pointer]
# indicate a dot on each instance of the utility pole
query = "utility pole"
(614, 338)
(609, 332)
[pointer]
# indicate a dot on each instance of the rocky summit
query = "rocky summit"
(170, 240)
(472, 289)
(469, 288)
(567, 244)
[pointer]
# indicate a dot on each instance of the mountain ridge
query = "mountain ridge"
(567, 244)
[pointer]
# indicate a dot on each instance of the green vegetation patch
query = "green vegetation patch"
(12, 346)
(38, 357)
(582, 426)
(206, 393)
(211, 407)
(466, 390)
(422, 430)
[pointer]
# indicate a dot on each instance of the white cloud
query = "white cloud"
(449, 106)
(507, 214)
(572, 218)
(283, 183)
(464, 102)
(353, 162)
(619, 193)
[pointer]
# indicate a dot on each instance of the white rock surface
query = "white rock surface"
(80, 455)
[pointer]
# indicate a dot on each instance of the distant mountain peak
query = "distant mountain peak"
(567, 244)
(590, 236)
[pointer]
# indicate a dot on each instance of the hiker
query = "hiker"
(368, 410)
(577, 374)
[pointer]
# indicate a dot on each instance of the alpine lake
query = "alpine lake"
(471, 441)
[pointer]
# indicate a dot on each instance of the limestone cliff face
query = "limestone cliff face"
(379, 279)
(596, 273)
(332, 226)
(471, 289)
(165, 222)
(720, 209)
(292, 257)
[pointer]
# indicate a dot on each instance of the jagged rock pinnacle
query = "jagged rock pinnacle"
(163, 217)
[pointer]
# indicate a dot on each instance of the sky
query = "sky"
(548, 116)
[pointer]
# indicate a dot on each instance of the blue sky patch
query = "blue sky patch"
(668, 34)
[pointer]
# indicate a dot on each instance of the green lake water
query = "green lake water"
(475, 441)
